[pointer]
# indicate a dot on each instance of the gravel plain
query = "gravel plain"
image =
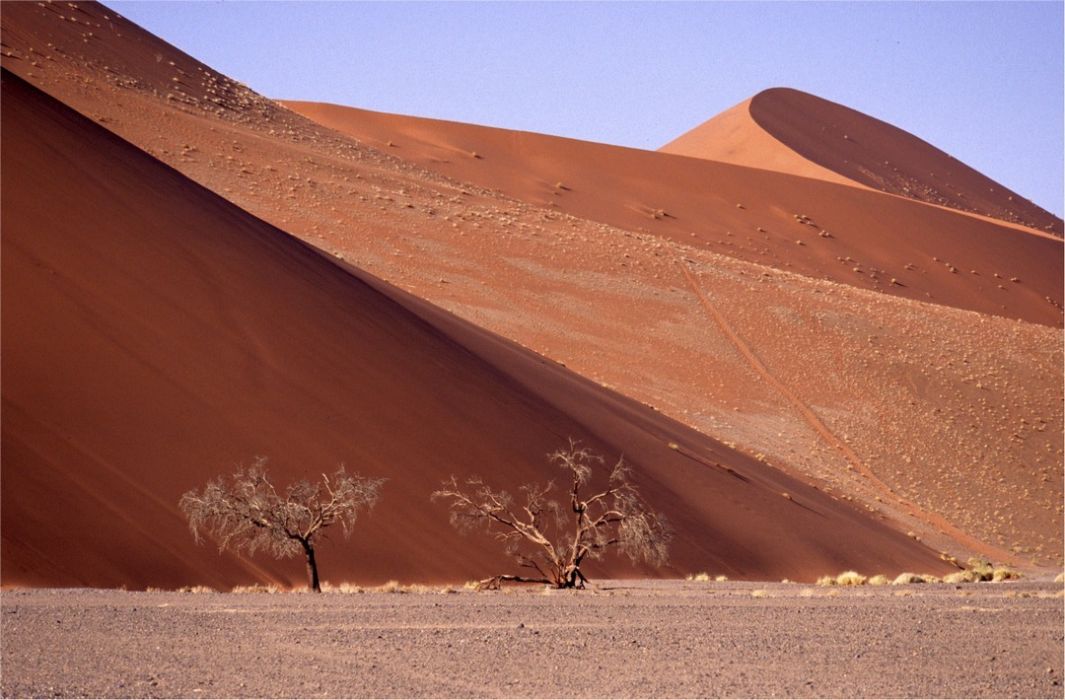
(620, 639)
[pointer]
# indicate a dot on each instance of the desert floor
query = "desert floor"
(623, 638)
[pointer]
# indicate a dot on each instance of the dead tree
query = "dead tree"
(247, 513)
(553, 540)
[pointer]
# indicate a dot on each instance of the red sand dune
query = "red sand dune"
(884, 401)
(742, 212)
(155, 335)
(792, 131)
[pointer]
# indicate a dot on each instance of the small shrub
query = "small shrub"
(826, 581)
(701, 576)
(721, 578)
(878, 580)
(981, 568)
(907, 578)
(391, 587)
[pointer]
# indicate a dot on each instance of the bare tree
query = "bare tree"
(247, 512)
(552, 540)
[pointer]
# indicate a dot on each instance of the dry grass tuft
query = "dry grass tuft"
(344, 588)
(826, 581)
(257, 588)
(196, 589)
(701, 576)
(907, 578)
(721, 578)
(878, 580)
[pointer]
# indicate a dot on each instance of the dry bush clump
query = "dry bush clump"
(700, 577)
(907, 578)
(964, 576)
(847, 578)
(878, 580)
(1004, 573)
(850, 578)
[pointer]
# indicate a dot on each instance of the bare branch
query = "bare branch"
(615, 517)
(246, 512)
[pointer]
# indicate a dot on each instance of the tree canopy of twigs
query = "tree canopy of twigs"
(553, 537)
(246, 512)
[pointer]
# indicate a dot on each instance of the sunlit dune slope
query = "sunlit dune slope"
(796, 132)
(820, 229)
(155, 335)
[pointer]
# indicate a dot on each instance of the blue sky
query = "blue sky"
(983, 81)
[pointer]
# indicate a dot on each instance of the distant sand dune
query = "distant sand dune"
(792, 131)
(740, 211)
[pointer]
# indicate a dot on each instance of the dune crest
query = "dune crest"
(792, 131)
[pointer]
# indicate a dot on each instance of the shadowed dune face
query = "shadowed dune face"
(155, 335)
(946, 411)
(796, 132)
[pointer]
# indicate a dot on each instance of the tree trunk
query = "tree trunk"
(312, 568)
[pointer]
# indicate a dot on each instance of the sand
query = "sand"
(628, 639)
